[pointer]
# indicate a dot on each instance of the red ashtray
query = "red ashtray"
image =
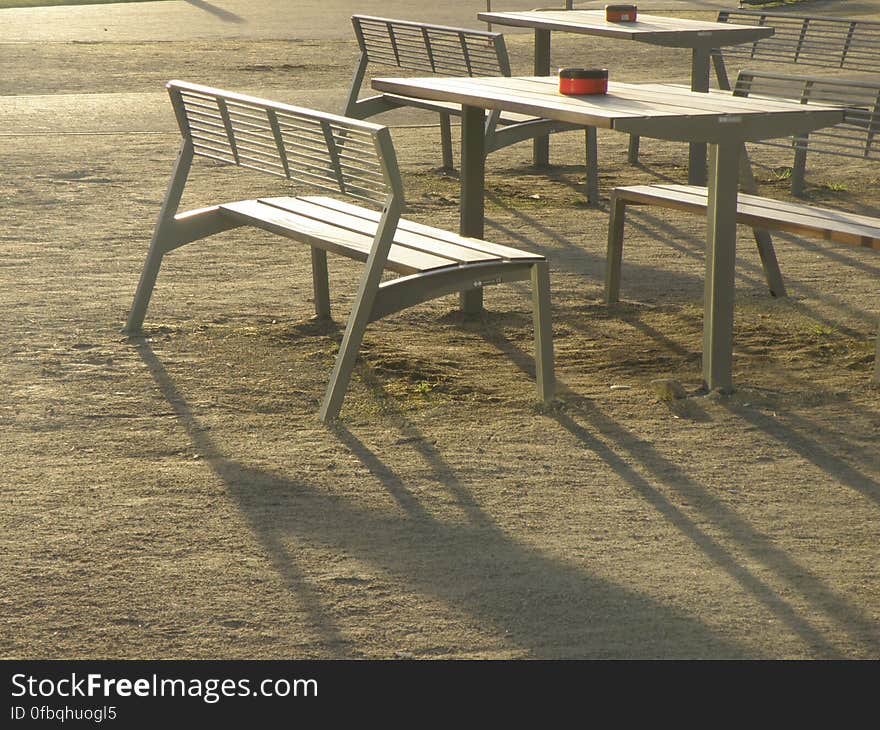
(621, 13)
(581, 81)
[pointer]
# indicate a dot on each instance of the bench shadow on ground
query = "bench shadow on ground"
(545, 607)
(219, 12)
(631, 457)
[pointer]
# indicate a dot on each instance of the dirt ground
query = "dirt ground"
(176, 496)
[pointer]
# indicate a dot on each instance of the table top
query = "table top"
(655, 29)
(662, 111)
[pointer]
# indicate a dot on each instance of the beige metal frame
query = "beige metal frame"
(210, 128)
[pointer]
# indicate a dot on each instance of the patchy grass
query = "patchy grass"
(780, 174)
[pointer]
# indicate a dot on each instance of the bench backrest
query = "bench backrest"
(841, 43)
(323, 151)
(429, 48)
(834, 44)
(856, 136)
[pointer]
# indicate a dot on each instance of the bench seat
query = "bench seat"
(753, 210)
(349, 230)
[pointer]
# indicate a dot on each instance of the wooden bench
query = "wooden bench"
(353, 164)
(839, 44)
(427, 49)
(856, 136)
(760, 213)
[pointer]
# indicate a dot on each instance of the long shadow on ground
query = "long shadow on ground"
(545, 607)
(649, 474)
(224, 15)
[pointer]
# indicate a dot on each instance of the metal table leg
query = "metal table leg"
(699, 82)
(720, 266)
(471, 206)
(541, 145)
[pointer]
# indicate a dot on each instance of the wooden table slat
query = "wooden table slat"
(660, 30)
(624, 103)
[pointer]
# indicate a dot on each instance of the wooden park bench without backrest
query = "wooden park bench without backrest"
(358, 216)
(436, 49)
(760, 213)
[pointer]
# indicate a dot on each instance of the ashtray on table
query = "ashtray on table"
(583, 81)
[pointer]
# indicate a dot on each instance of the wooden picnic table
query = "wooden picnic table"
(662, 111)
(698, 35)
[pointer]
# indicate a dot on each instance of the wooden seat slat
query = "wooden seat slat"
(333, 238)
(826, 223)
(492, 250)
(434, 246)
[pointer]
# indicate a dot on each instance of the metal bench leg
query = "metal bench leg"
(772, 274)
(614, 254)
(162, 239)
(720, 71)
(471, 301)
(345, 360)
(799, 169)
(472, 193)
(632, 153)
(877, 357)
(359, 318)
(320, 283)
(147, 281)
(544, 365)
(356, 84)
(592, 155)
(763, 239)
(446, 141)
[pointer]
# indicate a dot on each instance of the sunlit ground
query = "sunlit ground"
(45, 3)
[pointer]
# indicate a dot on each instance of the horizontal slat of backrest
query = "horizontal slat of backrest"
(323, 151)
(854, 137)
(843, 43)
(430, 48)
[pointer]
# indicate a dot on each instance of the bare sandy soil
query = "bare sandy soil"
(176, 497)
